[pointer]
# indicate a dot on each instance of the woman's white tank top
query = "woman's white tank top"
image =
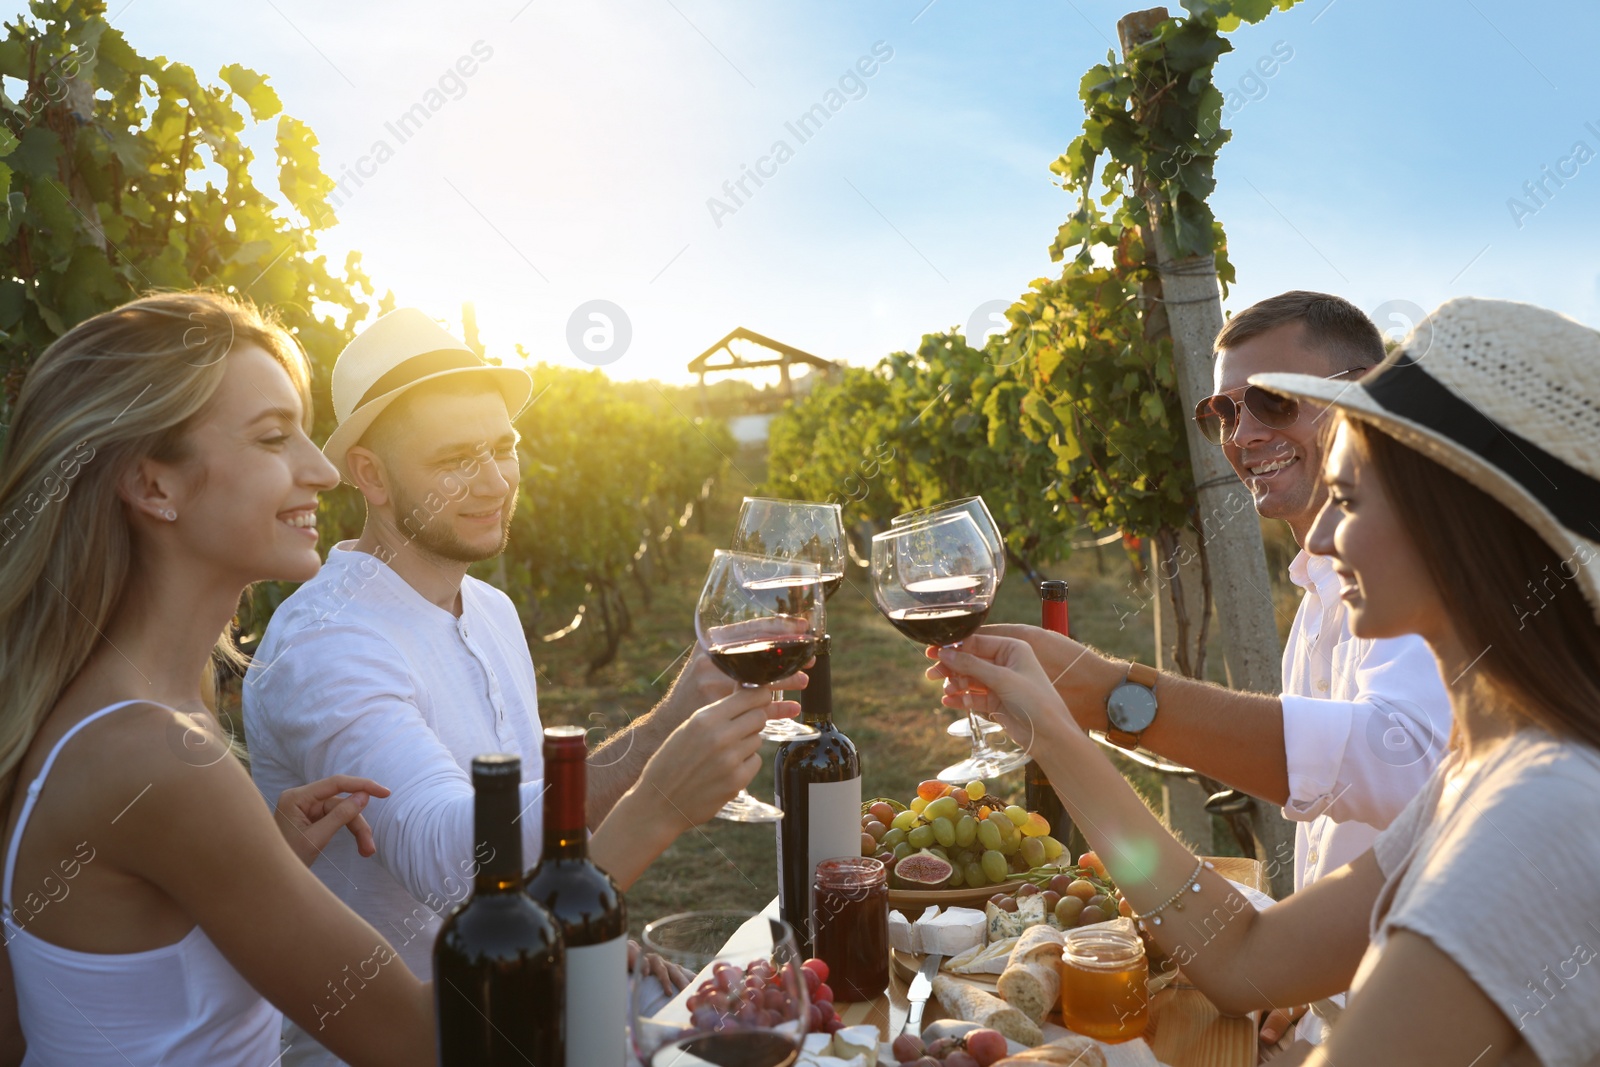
(181, 1005)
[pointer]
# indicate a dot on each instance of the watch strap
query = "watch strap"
(1139, 674)
(1123, 739)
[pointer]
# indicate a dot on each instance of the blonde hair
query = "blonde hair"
(117, 388)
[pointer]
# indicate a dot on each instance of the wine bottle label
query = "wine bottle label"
(597, 1004)
(834, 814)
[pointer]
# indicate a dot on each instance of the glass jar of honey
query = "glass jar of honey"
(1105, 984)
(850, 926)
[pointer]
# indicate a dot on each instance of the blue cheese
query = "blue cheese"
(1030, 910)
(1002, 924)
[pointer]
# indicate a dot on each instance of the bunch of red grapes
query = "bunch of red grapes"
(759, 996)
(975, 1048)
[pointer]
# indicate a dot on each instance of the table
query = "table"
(1187, 1030)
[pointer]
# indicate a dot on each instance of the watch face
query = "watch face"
(1131, 707)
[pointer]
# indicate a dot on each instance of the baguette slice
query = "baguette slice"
(973, 1005)
(1074, 1050)
(1031, 987)
(1038, 944)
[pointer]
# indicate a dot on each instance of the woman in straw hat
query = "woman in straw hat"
(1464, 478)
(157, 463)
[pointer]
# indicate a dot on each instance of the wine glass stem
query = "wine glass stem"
(976, 735)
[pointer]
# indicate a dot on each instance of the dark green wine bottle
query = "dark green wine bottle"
(499, 966)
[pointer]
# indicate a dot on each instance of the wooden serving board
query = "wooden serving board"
(1185, 1030)
(907, 964)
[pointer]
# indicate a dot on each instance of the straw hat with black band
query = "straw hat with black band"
(1506, 395)
(401, 350)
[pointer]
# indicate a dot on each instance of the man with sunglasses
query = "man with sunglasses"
(1360, 724)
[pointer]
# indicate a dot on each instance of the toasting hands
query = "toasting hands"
(1002, 679)
(715, 753)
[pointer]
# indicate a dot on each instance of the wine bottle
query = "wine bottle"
(587, 904)
(818, 785)
(498, 962)
(1040, 794)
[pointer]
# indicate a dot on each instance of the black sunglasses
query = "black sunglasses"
(1218, 415)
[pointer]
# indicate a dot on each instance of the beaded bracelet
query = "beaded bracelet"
(1190, 883)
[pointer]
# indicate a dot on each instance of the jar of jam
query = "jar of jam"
(850, 926)
(1105, 984)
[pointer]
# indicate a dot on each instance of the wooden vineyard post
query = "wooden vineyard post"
(1229, 526)
(1182, 800)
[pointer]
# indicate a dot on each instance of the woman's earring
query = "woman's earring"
(169, 514)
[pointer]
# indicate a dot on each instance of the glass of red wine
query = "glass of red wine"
(747, 1005)
(935, 581)
(974, 506)
(759, 619)
(793, 529)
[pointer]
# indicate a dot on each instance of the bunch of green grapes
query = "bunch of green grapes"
(985, 840)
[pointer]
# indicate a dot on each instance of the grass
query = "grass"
(881, 700)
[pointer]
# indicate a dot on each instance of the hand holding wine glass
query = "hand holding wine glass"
(935, 580)
(793, 529)
(697, 766)
(759, 619)
(1010, 686)
(974, 507)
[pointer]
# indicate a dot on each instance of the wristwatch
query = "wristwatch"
(1131, 707)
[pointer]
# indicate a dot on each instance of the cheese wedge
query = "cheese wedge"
(1003, 924)
(857, 1042)
(902, 935)
(985, 959)
(951, 932)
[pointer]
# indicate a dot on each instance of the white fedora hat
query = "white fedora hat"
(1506, 395)
(400, 350)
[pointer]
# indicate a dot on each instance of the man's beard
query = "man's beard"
(439, 539)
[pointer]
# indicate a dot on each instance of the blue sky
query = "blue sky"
(576, 161)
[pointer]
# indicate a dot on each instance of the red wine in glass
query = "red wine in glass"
(762, 661)
(734, 1048)
(934, 579)
(758, 619)
(946, 625)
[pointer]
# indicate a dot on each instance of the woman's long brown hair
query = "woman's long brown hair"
(1506, 589)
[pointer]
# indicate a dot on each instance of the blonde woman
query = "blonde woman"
(155, 910)
(157, 465)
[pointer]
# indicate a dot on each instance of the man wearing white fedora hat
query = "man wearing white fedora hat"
(1359, 724)
(395, 664)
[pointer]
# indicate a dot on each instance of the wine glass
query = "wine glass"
(935, 581)
(759, 618)
(747, 1004)
(974, 506)
(793, 529)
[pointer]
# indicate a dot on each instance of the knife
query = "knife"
(921, 989)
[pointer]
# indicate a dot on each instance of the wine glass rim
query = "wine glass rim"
(796, 503)
(735, 553)
(948, 505)
(737, 917)
(923, 524)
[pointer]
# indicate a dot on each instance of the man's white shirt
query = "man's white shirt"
(1364, 723)
(359, 674)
